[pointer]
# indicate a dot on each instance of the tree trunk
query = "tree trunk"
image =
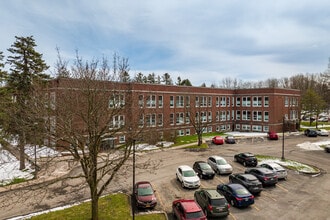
(94, 203)
(22, 152)
(200, 139)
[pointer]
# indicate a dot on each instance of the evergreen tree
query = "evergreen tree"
(27, 68)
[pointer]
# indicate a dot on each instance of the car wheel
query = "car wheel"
(177, 178)
(182, 184)
(244, 163)
(218, 172)
(232, 202)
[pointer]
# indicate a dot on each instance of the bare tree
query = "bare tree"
(85, 110)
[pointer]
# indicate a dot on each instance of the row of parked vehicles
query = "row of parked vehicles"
(239, 191)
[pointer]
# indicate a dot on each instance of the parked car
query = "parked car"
(220, 165)
(275, 167)
(247, 159)
(217, 140)
(272, 135)
(310, 133)
(323, 119)
(183, 209)
(203, 170)
(230, 140)
(144, 195)
(212, 202)
(236, 194)
(266, 176)
(249, 181)
(322, 132)
(327, 148)
(187, 177)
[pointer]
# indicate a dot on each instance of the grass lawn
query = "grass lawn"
(111, 207)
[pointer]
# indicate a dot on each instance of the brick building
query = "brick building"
(168, 110)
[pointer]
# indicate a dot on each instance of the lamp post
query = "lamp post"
(133, 208)
(283, 138)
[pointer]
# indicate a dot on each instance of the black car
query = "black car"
(230, 140)
(247, 159)
(249, 181)
(236, 194)
(264, 175)
(310, 133)
(203, 170)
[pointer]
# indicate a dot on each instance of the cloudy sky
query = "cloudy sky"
(202, 40)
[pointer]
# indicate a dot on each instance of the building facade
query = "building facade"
(167, 111)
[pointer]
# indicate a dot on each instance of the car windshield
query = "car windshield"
(188, 173)
(221, 162)
(205, 166)
(194, 215)
(242, 192)
(218, 202)
(145, 191)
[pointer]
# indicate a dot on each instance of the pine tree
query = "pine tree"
(27, 68)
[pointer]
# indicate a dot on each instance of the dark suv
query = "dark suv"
(249, 181)
(266, 176)
(310, 133)
(212, 202)
(247, 159)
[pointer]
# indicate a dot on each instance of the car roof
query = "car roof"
(218, 137)
(262, 169)
(189, 205)
(235, 186)
(140, 183)
(213, 193)
(185, 167)
(248, 154)
(200, 161)
(217, 157)
(248, 176)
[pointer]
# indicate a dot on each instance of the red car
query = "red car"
(145, 195)
(187, 209)
(272, 135)
(218, 140)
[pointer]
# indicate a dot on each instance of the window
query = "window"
(246, 115)
(266, 128)
(228, 115)
(179, 101)
(203, 117)
(257, 128)
(160, 101)
(171, 101)
(187, 131)
(257, 101)
(217, 101)
(210, 101)
(246, 102)
(187, 101)
(141, 101)
(223, 101)
(266, 101)
(179, 118)
(228, 101)
(171, 119)
(238, 101)
(223, 115)
(209, 129)
(217, 116)
(203, 101)
(246, 127)
(180, 132)
(122, 139)
(257, 115)
(160, 119)
(117, 101)
(237, 127)
(187, 117)
(117, 122)
(238, 115)
(232, 101)
(141, 120)
(286, 101)
(151, 101)
(197, 101)
(210, 116)
(266, 116)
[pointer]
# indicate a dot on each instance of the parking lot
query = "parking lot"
(299, 197)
